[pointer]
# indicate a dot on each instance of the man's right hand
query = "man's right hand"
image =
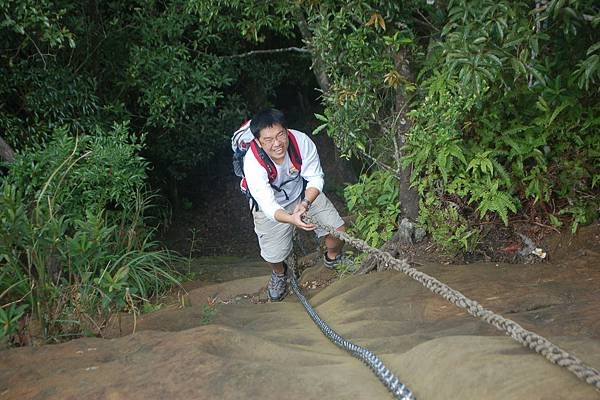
(295, 219)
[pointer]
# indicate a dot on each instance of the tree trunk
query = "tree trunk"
(409, 198)
(6, 152)
(318, 67)
(173, 187)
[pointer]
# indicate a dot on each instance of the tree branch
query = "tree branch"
(318, 66)
(270, 51)
(426, 22)
(379, 163)
(38, 49)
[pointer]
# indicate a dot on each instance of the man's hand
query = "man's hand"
(295, 218)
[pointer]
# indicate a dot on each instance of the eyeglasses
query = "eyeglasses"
(281, 137)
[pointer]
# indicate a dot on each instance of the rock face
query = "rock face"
(273, 350)
(409, 233)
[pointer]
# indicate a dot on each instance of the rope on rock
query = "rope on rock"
(399, 390)
(529, 339)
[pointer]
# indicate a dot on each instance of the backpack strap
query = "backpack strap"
(244, 188)
(264, 160)
(294, 152)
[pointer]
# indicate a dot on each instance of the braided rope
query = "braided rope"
(529, 339)
(393, 384)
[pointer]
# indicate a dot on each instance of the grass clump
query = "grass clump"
(76, 242)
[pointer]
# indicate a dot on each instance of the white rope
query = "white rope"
(529, 339)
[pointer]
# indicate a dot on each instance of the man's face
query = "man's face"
(274, 140)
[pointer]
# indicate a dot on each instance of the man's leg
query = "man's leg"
(334, 245)
(278, 268)
(275, 241)
(323, 211)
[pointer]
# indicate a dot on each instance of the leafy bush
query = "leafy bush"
(74, 242)
(447, 226)
(357, 42)
(9, 320)
(176, 69)
(445, 164)
(504, 104)
(374, 201)
(83, 174)
(505, 125)
(40, 99)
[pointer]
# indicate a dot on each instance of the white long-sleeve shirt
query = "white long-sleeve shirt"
(270, 200)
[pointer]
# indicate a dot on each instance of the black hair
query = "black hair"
(266, 119)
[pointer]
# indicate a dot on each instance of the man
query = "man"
(283, 202)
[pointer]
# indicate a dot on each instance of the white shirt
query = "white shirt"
(270, 200)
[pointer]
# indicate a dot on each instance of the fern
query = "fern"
(374, 200)
(490, 199)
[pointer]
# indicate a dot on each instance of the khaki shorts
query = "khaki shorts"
(275, 238)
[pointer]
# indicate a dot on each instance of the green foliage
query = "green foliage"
(374, 201)
(504, 108)
(174, 81)
(39, 20)
(582, 213)
(447, 226)
(208, 314)
(9, 320)
(74, 239)
(100, 171)
(357, 41)
(444, 163)
(193, 89)
(504, 122)
(350, 265)
(151, 307)
(35, 104)
(171, 68)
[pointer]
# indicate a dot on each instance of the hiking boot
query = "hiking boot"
(340, 259)
(277, 288)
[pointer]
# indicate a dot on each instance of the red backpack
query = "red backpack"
(241, 141)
